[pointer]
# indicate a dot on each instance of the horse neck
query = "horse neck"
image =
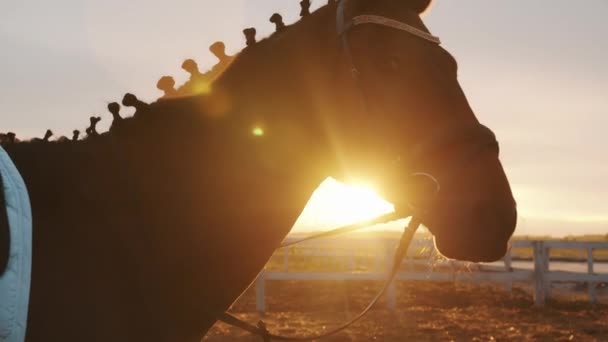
(284, 84)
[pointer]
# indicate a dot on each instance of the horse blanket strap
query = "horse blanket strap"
(15, 280)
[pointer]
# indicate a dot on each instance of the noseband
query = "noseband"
(476, 137)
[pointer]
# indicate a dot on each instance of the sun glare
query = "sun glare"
(257, 131)
(201, 88)
(335, 204)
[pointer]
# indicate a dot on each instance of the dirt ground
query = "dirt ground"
(426, 312)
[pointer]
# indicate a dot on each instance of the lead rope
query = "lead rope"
(262, 330)
(348, 229)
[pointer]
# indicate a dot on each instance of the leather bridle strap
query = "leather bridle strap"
(390, 217)
(392, 23)
(343, 28)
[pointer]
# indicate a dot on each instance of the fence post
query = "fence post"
(546, 260)
(260, 293)
(391, 292)
(591, 285)
(539, 273)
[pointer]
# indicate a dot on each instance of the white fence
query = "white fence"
(428, 268)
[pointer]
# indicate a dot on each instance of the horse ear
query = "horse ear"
(420, 5)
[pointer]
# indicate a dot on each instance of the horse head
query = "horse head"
(400, 118)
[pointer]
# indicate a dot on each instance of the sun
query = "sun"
(335, 204)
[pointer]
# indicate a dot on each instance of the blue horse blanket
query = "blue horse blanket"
(15, 281)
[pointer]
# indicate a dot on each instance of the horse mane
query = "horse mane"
(271, 49)
(244, 69)
(258, 58)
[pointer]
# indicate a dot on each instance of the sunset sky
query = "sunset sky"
(534, 71)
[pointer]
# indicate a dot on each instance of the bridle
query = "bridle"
(477, 136)
(343, 28)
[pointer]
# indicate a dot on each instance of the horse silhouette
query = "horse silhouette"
(114, 109)
(167, 85)
(250, 36)
(224, 60)
(305, 8)
(92, 129)
(277, 20)
(197, 84)
(190, 66)
(47, 136)
(8, 137)
(149, 234)
(130, 100)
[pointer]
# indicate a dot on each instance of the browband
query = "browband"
(343, 27)
(392, 23)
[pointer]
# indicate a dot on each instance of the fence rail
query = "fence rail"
(420, 265)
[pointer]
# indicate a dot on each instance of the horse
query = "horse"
(148, 232)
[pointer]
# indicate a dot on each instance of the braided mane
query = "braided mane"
(247, 66)
(243, 71)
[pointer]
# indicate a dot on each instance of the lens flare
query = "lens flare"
(257, 132)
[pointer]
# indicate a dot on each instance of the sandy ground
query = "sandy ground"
(426, 312)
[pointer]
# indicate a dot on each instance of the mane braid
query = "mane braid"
(271, 47)
(243, 67)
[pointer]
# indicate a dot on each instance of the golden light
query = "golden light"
(201, 87)
(335, 204)
(257, 131)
